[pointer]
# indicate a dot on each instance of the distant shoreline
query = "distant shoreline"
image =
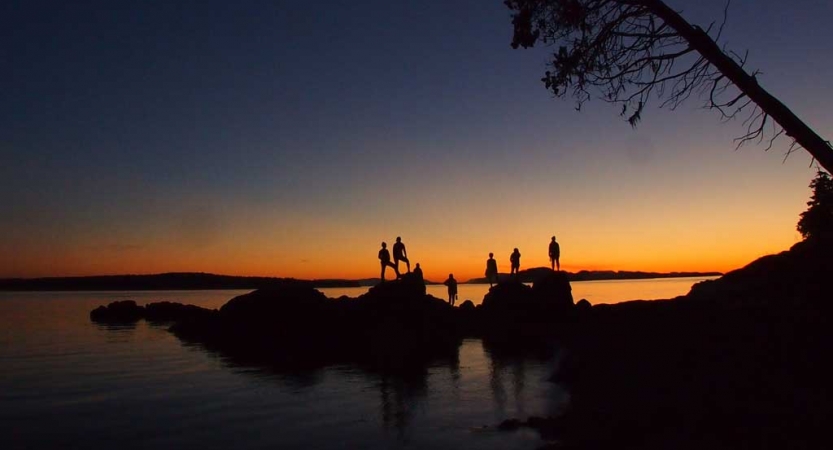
(207, 281)
(530, 275)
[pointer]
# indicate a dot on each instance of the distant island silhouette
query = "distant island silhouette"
(208, 281)
(165, 281)
(530, 275)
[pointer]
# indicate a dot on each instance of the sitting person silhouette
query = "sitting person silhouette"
(515, 259)
(555, 253)
(491, 269)
(400, 254)
(418, 272)
(452, 288)
(384, 259)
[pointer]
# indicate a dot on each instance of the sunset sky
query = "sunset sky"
(289, 138)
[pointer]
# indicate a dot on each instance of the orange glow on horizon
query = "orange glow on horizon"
(436, 267)
(698, 227)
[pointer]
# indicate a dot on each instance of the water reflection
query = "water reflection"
(118, 332)
(400, 397)
(511, 374)
(479, 385)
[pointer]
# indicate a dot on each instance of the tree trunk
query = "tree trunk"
(792, 125)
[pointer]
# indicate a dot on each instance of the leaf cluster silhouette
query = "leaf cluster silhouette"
(817, 222)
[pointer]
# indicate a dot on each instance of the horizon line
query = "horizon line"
(709, 272)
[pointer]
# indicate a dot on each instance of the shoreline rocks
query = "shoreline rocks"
(395, 324)
(739, 362)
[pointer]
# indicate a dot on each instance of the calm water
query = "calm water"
(68, 383)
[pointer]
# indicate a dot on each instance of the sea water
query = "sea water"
(66, 382)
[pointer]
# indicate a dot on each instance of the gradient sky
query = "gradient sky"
(290, 138)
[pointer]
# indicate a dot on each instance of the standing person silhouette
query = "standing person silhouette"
(515, 259)
(400, 254)
(491, 269)
(555, 253)
(384, 259)
(452, 288)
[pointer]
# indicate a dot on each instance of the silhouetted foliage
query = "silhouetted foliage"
(817, 221)
(628, 51)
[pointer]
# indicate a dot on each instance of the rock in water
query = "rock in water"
(553, 291)
(172, 312)
(509, 295)
(293, 301)
(123, 311)
(550, 296)
(409, 285)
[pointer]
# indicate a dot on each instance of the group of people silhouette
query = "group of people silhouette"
(515, 262)
(400, 254)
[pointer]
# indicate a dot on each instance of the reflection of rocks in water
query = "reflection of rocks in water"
(511, 373)
(117, 327)
(400, 398)
(294, 379)
(496, 385)
(118, 332)
(393, 333)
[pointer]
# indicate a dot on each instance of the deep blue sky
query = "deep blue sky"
(282, 138)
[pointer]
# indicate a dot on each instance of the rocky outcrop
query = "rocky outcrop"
(172, 312)
(550, 296)
(127, 311)
(553, 291)
(394, 325)
(515, 315)
(793, 278)
(124, 311)
(740, 362)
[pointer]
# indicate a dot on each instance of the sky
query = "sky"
(291, 138)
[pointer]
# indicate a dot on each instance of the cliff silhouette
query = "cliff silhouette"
(738, 362)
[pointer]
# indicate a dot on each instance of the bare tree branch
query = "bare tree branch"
(631, 52)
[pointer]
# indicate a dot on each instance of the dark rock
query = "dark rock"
(171, 312)
(408, 286)
(467, 305)
(553, 290)
(393, 325)
(289, 302)
(513, 318)
(583, 306)
(717, 368)
(507, 296)
(790, 278)
(509, 425)
(550, 298)
(124, 311)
